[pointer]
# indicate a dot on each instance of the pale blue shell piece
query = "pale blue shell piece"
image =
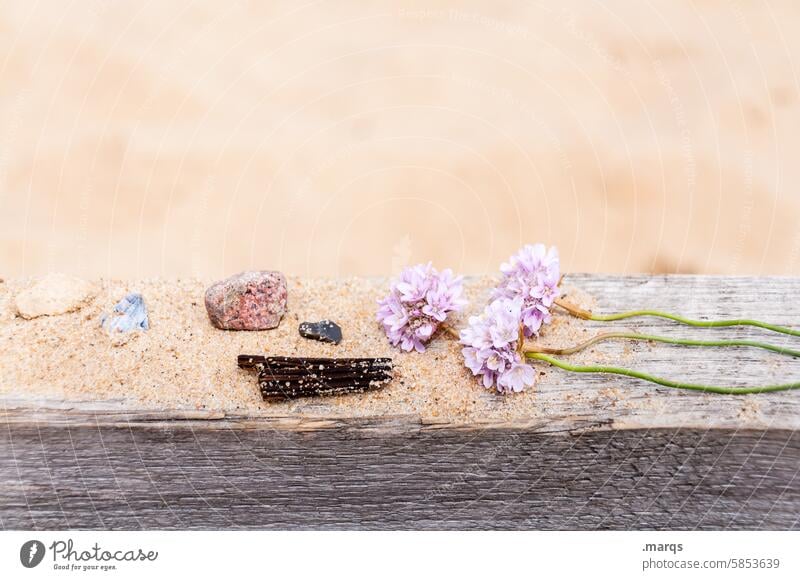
(129, 314)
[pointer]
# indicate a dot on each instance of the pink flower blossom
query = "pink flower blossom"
(531, 274)
(491, 347)
(417, 304)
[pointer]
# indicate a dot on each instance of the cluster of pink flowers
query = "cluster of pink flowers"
(492, 347)
(532, 274)
(417, 304)
(420, 300)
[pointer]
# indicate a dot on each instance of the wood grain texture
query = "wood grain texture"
(644, 458)
(180, 477)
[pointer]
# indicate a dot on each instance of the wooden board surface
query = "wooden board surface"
(191, 478)
(588, 453)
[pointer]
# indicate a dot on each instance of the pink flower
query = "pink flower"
(491, 347)
(417, 304)
(531, 274)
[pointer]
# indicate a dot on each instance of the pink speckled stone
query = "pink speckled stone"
(248, 301)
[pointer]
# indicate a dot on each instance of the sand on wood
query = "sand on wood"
(184, 363)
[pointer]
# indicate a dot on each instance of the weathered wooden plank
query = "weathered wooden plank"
(578, 452)
(187, 478)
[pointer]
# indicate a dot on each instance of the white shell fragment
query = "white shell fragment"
(129, 314)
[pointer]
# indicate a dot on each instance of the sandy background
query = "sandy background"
(179, 138)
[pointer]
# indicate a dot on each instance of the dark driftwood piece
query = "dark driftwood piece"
(281, 377)
(645, 458)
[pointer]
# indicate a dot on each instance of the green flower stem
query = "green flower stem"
(657, 380)
(587, 315)
(651, 338)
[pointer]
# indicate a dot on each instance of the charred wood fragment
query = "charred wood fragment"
(294, 377)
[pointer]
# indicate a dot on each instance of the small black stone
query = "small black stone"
(323, 331)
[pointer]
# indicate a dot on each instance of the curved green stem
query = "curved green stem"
(657, 380)
(663, 339)
(586, 315)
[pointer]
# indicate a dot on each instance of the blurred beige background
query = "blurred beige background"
(142, 138)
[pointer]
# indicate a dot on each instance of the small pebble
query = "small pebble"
(54, 294)
(248, 301)
(323, 331)
(129, 314)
